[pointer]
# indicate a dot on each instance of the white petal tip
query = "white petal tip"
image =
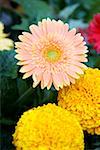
(24, 77)
(48, 19)
(16, 56)
(19, 63)
(21, 70)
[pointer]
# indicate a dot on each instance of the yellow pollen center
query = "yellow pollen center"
(52, 55)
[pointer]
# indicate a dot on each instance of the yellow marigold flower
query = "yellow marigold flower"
(48, 127)
(5, 43)
(83, 99)
(51, 54)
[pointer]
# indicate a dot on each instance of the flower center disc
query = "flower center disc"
(52, 55)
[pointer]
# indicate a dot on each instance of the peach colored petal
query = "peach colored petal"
(46, 78)
(37, 76)
(23, 52)
(51, 26)
(49, 83)
(42, 84)
(28, 74)
(76, 69)
(55, 85)
(66, 79)
(24, 62)
(72, 80)
(25, 39)
(35, 30)
(80, 58)
(36, 81)
(28, 35)
(23, 45)
(78, 39)
(43, 27)
(77, 64)
(26, 68)
(72, 73)
(23, 57)
(70, 36)
(57, 80)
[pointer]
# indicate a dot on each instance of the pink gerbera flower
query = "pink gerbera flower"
(51, 54)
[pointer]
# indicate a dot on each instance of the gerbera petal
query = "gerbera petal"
(46, 77)
(58, 80)
(71, 33)
(76, 69)
(36, 32)
(26, 39)
(25, 62)
(36, 81)
(72, 80)
(81, 65)
(49, 83)
(66, 79)
(23, 52)
(37, 76)
(23, 57)
(26, 68)
(72, 73)
(43, 26)
(28, 35)
(78, 39)
(80, 58)
(23, 46)
(28, 74)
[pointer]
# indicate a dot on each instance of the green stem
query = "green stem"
(27, 92)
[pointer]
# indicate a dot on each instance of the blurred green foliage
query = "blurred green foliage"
(17, 95)
(8, 67)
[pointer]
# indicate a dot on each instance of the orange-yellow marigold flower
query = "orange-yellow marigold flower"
(83, 99)
(48, 127)
(51, 54)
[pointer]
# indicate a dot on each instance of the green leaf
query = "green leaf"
(94, 61)
(67, 11)
(8, 96)
(23, 26)
(91, 7)
(49, 96)
(36, 10)
(8, 67)
(22, 86)
(25, 98)
(73, 23)
(97, 62)
(91, 3)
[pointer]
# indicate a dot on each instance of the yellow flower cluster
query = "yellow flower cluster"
(5, 43)
(83, 99)
(48, 127)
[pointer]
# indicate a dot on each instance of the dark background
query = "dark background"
(17, 95)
